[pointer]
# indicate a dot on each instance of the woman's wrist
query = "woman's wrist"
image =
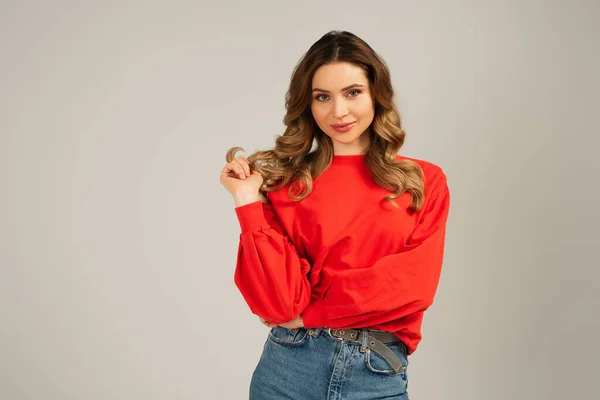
(243, 198)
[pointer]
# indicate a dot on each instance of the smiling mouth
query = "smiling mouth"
(342, 125)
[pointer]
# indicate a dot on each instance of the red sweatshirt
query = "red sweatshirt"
(344, 257)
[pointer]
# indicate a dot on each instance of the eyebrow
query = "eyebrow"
(346, 88)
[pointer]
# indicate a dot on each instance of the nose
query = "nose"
(340, 110)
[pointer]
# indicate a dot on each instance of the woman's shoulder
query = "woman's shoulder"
(433, 173)
(280, 195)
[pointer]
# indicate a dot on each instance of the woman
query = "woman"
(341, 245)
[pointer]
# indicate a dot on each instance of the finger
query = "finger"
(244, 164)
(248, 171)
(237, 169)
(228, 173)
(240, 167)
(270, 325)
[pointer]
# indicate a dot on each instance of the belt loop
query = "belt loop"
(365, 340)
(314, 331)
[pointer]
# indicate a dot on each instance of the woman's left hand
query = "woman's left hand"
(267, 323)
(293, 324)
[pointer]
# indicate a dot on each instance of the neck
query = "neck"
(348, 159)
(360, 146)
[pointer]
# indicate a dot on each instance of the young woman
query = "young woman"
(341, 243)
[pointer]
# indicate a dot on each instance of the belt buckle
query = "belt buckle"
(328, 330)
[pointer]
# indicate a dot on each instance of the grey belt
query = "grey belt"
(373, 340)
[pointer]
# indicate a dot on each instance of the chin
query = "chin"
(347, 141)
(342, 138)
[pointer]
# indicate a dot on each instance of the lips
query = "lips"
(345, 127)
(342, 125)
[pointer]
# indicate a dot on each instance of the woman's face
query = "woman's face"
(340, 95)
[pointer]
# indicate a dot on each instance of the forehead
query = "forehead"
(337, 76)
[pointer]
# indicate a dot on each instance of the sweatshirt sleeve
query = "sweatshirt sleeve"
(395, 286)
(270, 274)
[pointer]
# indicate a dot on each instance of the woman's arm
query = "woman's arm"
(394, 286)
(270, 273)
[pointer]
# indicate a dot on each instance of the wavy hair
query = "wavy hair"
(292, 160)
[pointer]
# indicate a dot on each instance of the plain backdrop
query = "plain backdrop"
(118, 243)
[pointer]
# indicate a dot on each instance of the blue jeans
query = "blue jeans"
(309, 364)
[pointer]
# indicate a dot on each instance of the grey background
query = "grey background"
(118, 244)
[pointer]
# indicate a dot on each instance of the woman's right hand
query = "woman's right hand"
(240, 181)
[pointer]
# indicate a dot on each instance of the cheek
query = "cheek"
(365, 109)
(319, 114)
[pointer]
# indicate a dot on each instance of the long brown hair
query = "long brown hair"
(292, 161)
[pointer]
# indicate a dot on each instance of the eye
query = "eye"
(354, 91)
(319, 97)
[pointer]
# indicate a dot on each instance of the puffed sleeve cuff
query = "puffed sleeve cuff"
(251, 216)
(314, 315)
